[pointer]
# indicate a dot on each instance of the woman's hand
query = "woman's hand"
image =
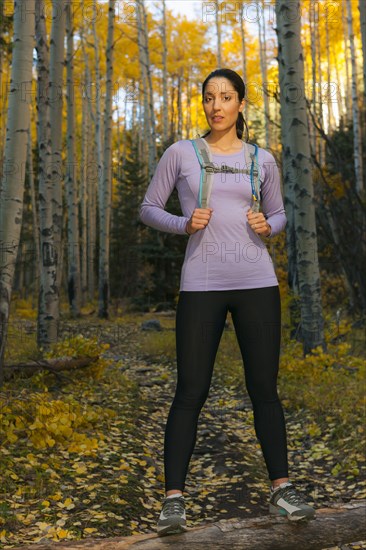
(199, 219)
(258, 223)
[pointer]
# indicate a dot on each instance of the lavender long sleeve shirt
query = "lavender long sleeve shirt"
(227, 254)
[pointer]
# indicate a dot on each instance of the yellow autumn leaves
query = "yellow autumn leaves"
(45, 422)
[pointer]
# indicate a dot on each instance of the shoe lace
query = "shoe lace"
(292, 496)
(173, 506)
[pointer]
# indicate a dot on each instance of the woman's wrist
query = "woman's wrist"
(270, 231)
(187, 227)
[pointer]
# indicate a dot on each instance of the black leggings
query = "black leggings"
(200, 320)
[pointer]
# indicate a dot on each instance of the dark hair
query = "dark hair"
(239, 86)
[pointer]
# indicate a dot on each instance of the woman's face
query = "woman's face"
(221, 103)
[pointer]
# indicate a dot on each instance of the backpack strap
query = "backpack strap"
(208, 170)
(254, 178)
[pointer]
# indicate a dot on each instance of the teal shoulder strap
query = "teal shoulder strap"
(208, 170)
(255, 180)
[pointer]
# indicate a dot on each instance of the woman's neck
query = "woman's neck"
(225, 142)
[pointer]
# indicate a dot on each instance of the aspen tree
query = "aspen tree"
(298, 185)
(15, 156)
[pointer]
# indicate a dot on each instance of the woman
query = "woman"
(226, 268)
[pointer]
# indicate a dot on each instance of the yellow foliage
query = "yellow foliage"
(79, 346)
(45, 422)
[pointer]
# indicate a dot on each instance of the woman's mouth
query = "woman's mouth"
(217, 118)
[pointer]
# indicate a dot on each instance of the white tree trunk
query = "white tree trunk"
(57, 63)
(90, 174)
(329, 83)
(348, 93)
(98, 99)
(105, 192)
(73, 249)
(320, 84)
(92, 179)
(32, 193)
(244, 59)
(297, 171)
(165, 73)
(12, 183)
(357, 145)
(218, 32)
(179, 104)
(263, 64)
(48, 302)
(312, 21)
(149, 113)
(189, 98)
(83, 197)
(362, 10)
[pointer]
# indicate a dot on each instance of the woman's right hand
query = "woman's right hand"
(199, 219)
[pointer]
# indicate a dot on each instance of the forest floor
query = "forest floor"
(112, 484)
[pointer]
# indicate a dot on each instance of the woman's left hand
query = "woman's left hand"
(258, 223)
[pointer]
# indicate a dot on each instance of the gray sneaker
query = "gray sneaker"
(286, 501)
(172, 517)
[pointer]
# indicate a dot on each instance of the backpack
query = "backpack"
(208, 170)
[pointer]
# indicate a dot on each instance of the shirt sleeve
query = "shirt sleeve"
(152, 209)
(272, 203)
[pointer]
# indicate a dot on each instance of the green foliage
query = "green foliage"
(126, 262)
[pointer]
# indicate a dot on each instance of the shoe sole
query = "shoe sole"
(171, 529)
(282, 512)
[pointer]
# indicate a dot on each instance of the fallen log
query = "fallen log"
(57, 364)
(335, 526)
(53, 365)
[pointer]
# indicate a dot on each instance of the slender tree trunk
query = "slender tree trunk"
(92, 215)
(340, 103)
(263, 64)
(73, 279)
(12, 183)
(165, 73)
(90, 172)
(329, 83)
(105, 192)
(179, 104)
(244, 58)
(189, 97)
(172, 110)
(320, 84)
(123, 151)
(314, 79)
(32, 192)
(98, 99)
(357, 145)
(144, 118)
(2, 118)
(298, 171)
(84, 199)
(148, 97)
(48, 302)
(362, 10)
(57, 63)
(218, 32)
(348, 92)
